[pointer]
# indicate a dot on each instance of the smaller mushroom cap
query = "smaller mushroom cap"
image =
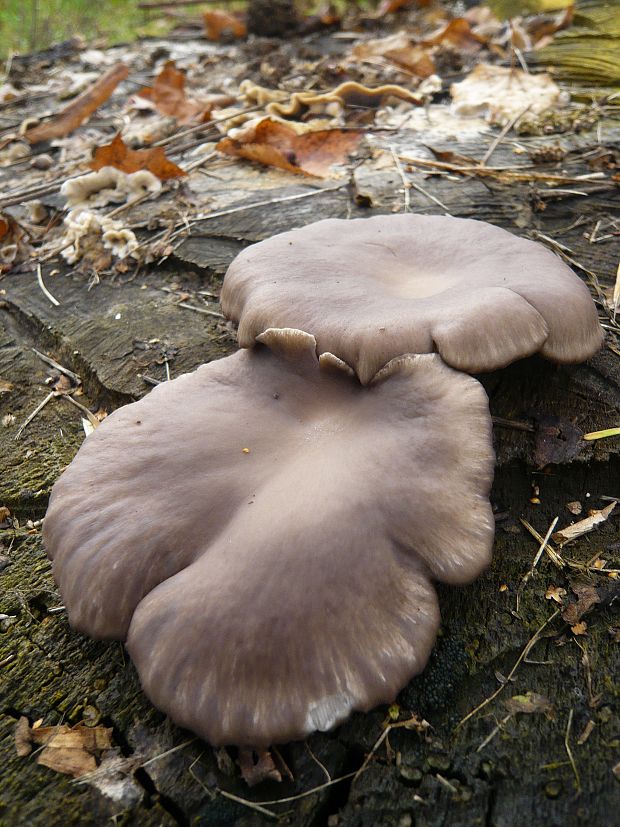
(372, 289)
(264, 531)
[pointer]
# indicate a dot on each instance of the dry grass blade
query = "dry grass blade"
(528, 647)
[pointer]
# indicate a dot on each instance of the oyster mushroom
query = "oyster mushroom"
(372, 289)
(264, 533)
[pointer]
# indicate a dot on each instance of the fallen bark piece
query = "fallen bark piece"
(578, 529)
(79, 110)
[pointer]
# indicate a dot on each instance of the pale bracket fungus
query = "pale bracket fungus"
(372, 289)
(109, 185)
(264, 533)
(87, 230)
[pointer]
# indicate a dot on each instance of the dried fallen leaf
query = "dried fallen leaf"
(580, 628)
(458, 34)
(278, 145)
(219, 24)
(81, 108)
(399, 50)
(530, 703)
(502, 94)
(72, 751)
(555, 593)
(587, 596)
(574, 507)
(255, 772)
(578, 529)
(118, 154)
(167, 96)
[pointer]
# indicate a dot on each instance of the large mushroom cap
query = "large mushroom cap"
(372, 289)
(264, 532)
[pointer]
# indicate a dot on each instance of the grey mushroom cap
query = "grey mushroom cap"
(372, 289)
(266, 593)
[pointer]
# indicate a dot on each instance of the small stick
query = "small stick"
(553, 555)
(513, 423)
(37, 410)
(168, 752)
(246, 803)
(569, 752)
(536, 560)
(46, 292)
(91, 417)
(512, 122)
(53, 364)
(207, 125)
(202, 310)
(403, 178)
(494, 732)
(528, 647)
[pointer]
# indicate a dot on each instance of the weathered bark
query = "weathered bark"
(113, 333)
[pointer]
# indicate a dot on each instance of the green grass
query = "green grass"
(28, 25)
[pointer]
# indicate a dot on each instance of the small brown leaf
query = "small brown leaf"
(555, 593)
(579, 628)
(587, 596)
(399, 50)
(81, 108)
(457, 33)
(118, 154)
(167, 96)
(276, 144)
(68, 750)
(23, 746)
(220, 24)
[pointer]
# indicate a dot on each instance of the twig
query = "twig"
(512, 122)
(403, 178)
(372, 752)
(536, 560)
(494, 732)
(513, 423)
(183, 225)
(310, 792)
(552, 553)
(202, 310)
(528, 647)
(37, 410)
(46, 292)
(247, 803)
(570, 753)
(563, 250)
(316, 760)
(207, 125)
(168, 752)
(91, 417)
(53, 364)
